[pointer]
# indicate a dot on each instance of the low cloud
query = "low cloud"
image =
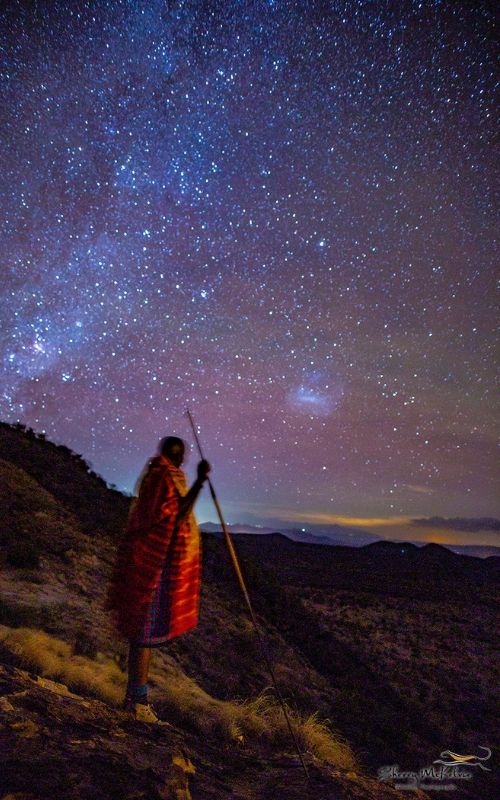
(319, 518)
(469, 524)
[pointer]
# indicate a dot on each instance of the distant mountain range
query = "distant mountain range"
(339, 535)
(331, 534)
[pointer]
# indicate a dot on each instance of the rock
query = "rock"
(176, 787)
(57, 688)
(27, 729)
(5, 705)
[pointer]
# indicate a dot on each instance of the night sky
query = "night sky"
(279, 214)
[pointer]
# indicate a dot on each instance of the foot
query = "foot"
(142, 712)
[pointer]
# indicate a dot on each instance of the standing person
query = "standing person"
(155, 588)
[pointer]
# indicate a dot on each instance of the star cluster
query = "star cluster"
(279, 214)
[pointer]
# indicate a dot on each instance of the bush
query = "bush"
(16, 616)
(23, 555)
(85, 644)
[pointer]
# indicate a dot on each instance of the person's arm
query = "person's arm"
(187, 502)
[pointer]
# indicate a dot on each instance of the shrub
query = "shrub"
(13, 615)
(23, 555)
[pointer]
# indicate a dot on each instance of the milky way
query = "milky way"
(279, 214)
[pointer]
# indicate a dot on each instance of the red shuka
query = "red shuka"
(153, 538)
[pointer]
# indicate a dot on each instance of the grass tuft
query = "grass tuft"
(313, 735)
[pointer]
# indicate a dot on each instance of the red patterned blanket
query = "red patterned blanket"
(153, 535)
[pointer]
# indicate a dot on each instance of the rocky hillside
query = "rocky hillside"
(56, 743)
(339, 628)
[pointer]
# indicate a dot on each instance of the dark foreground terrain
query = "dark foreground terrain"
(389, 648)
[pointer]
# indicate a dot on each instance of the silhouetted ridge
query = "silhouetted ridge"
(437, 551)
(396, 548)
(67, 476)
(269, 538)
(252, 538)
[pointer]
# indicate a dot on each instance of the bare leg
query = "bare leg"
(138, 665)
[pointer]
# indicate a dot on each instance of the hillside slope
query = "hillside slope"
(56, 743)
(328, 621)
(67, 476)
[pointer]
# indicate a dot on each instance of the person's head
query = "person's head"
(173, 448)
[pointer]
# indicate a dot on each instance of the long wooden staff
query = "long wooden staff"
(241, 581)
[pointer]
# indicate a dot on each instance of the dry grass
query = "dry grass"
(313, 735)
(52, 658)
(326, 744)
(186, 702)
(179, 697)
